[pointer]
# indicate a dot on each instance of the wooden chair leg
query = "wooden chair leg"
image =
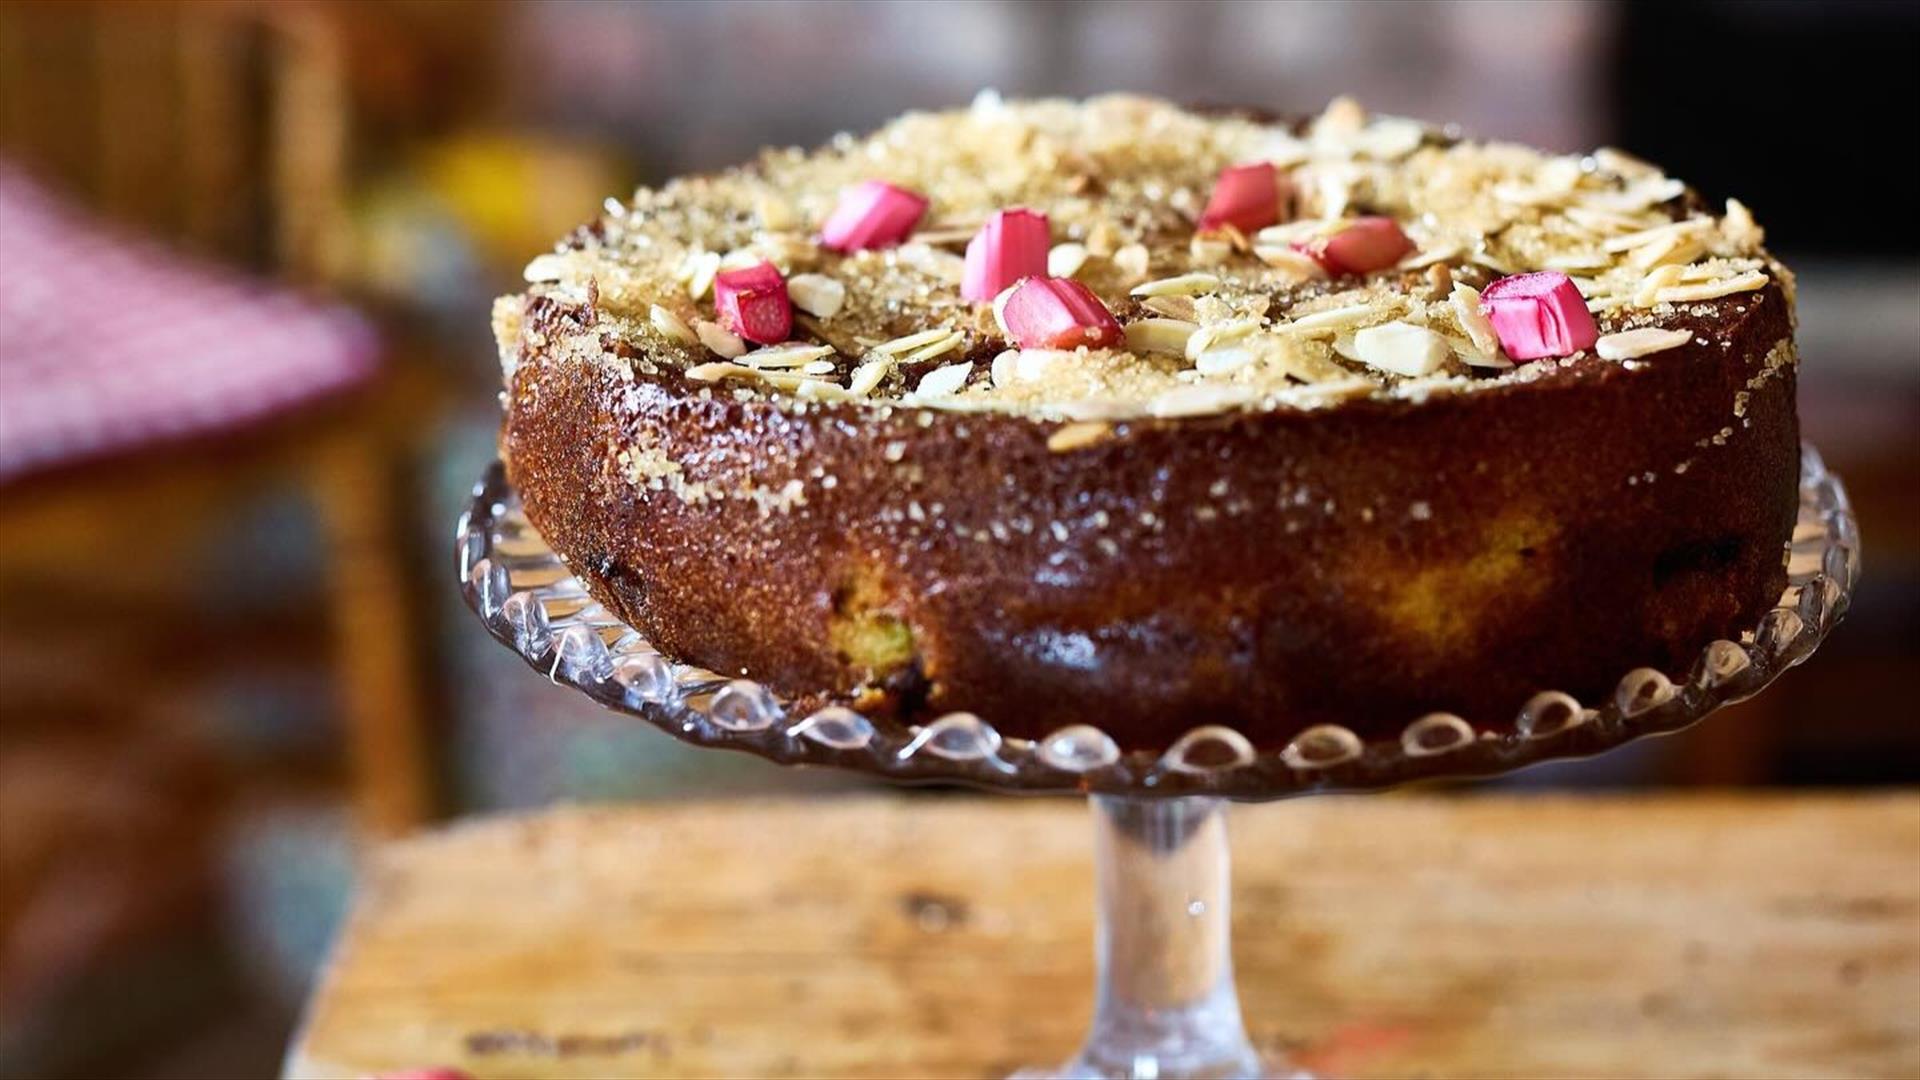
(375, 652)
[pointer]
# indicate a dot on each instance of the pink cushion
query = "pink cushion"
(109, 343)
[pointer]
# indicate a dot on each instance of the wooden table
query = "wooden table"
(1418, 935)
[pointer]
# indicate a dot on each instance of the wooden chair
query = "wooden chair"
(223, 127)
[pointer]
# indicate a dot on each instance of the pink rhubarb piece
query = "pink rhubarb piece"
(1010, 246)
(1059, 313)
(1247, 197)
(753, 303)
(872, 214)
(1539, 315)
(1365, 245)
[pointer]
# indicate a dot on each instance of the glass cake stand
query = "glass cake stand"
(1166, 1004)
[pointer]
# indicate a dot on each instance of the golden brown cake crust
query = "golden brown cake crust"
(1361, 565)
(1294, 497)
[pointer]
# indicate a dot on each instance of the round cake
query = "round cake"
(1119, 413)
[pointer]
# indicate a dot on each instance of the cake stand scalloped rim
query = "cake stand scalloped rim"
(528, 600)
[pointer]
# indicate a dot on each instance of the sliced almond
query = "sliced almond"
(1032, 365)
(1079, 435)
(1326, 393)
(1199, 400)
(1473, 320)
(784, 356)
(1389, 138)
(1002, 370)
(1193, 284)
(942, 381)
(1682, 294)
(785, 380)
(820, 390)
(1103, 239)
(1224, 348)
(1680, 249)
(1657, 234)
(817, 294)
(946, 233)
(716, 371)
(1648, 292)
(1207, 249)
(1739, 226)
(1424, 257)
(1211, 335)
(1296, 231)
(1065, 260)
(1628, 344)
(1335, 319)
(1173, 307)
(545, 268)
(774, 212)
(1638, 194)
(1160, 335)
(718, 338)
(700, 269)
(671, 325)
(1303, 267)
(868, 376)
(931, 261)
(1000, 310)
(913, 341)
(1132, 261)
(1401, 348)
(932, 349)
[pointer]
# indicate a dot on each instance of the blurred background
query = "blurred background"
(246, 254)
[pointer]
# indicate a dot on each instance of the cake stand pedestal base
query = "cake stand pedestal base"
(1165, 1001)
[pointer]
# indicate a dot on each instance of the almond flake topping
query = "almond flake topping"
(913, 341)
(1628, 344)
(1473, 321)
(1132, 261)
(700, 269)
(1684, 294)
(1065, 260)
(1079, 435)
(1160, 335)
(816, 294)
(1209, 319)
(943, 381)
(1401, 348)
(785, 356)
(671, 325)
(1185, 285)
(718, 338)
(868, 376)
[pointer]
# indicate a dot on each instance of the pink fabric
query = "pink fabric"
(109, 343)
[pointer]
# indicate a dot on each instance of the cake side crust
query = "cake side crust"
(1361, 565)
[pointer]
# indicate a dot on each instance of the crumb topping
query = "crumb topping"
(1214, 320)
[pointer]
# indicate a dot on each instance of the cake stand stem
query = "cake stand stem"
(1166, 1004)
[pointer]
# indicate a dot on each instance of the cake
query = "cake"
(1121, 413)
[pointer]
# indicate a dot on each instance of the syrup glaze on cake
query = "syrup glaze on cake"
(1255, 514)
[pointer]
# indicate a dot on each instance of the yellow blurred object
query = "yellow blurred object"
(487, 198)
(515, 193)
